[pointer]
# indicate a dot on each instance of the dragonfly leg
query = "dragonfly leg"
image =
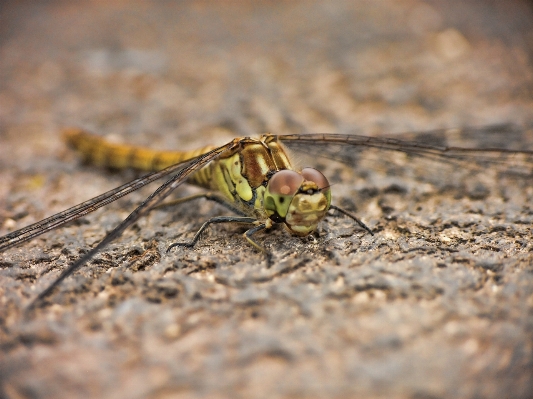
(248, 236)
(208, 196)
(353, 217)
(217, 219)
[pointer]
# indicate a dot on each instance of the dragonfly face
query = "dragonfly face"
(299, 200)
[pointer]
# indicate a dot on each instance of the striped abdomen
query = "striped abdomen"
(100, 152)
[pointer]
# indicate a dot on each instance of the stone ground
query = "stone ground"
(438, 304)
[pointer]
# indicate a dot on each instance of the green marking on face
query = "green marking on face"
(300, 200)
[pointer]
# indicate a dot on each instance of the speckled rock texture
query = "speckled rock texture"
(438, 304)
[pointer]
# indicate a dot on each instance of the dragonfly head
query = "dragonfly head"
(299, 200)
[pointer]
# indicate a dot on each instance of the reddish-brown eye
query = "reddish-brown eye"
(285, 182)
(315, 176)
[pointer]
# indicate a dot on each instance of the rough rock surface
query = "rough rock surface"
(437, 304)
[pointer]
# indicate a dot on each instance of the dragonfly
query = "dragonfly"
(255, 179)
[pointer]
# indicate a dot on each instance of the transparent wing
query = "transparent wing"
(145, 207)
(27, 233)
(498, 148)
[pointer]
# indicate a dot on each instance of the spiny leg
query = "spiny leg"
(353, 217)
(217, 219)
(248, 235)
(220, 219)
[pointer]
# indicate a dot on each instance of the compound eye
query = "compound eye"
(285, 182)
(315, 176)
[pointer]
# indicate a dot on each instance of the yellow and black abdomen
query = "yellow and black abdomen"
(100, 152)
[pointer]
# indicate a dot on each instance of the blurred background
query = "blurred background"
(170, 69)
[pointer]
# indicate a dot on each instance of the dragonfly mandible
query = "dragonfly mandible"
(254, 178)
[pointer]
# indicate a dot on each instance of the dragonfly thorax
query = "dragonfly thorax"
(299, 200)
